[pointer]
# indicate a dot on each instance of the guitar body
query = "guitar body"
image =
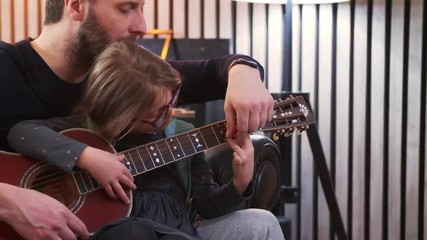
(94, 208)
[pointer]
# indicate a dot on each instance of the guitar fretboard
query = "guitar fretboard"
(150, 156)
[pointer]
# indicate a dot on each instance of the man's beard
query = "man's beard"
(90, 41)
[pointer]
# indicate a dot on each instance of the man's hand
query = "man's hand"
(243, 161)
(37, 216)
(248, 104)
(108, 169)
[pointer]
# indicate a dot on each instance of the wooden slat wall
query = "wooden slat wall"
(364, 65)
(371, 112)
(20, 19)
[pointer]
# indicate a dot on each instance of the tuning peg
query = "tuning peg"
(276, 136)
(288, 132)
(290, 97)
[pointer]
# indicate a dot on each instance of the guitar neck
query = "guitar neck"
(156, 154)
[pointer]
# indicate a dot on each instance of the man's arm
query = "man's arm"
(34, 215)
(206, 80)
(248, 104)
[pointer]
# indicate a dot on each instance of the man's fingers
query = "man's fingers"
(230, 117)
(78, 227)
(242, 121)
(270, 111)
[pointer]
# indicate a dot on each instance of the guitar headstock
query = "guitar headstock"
(291, 114)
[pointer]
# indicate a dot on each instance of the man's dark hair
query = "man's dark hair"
(53, 11)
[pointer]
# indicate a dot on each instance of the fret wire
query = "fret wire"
(205, 145)
(220, 128)
(209, 136)
(169, 147)
(164, 151)
(186, 144)
(180, 144)
(195, 140)
(153, 154)
(141, 160)
(170, 156)
(148, 161)
(176, 148)
(128, 161)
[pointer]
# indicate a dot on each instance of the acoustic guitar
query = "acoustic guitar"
(83, 195)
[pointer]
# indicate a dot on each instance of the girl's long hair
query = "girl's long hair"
(122, 83)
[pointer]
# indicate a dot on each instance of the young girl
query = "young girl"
(128, 101)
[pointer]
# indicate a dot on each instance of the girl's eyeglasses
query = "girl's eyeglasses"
(163, 112)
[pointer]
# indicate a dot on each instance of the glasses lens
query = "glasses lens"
(164, 112)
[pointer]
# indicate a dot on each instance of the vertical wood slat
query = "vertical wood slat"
(202, 19)
(1, 16)
(351, 118)
(422, 213)
(171, 14)
(194, 19)
(359, 122)
(385, 173)
(343, 113)
(308, 49)
(315, 105)
(413, 140)
(396, 111)
(39, 19)
(385, 136)
(12, 20)
(26, 18)
(367, 112)
(333, 102)
(297, 79)
(325, 92)
(377, 93)
(404, 126)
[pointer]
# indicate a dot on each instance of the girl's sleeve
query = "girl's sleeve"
(209, 199)
(41, 140)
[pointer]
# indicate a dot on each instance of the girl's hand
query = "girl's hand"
(243, 161)
(108, 169)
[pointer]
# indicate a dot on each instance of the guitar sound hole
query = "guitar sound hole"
(52, 181)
